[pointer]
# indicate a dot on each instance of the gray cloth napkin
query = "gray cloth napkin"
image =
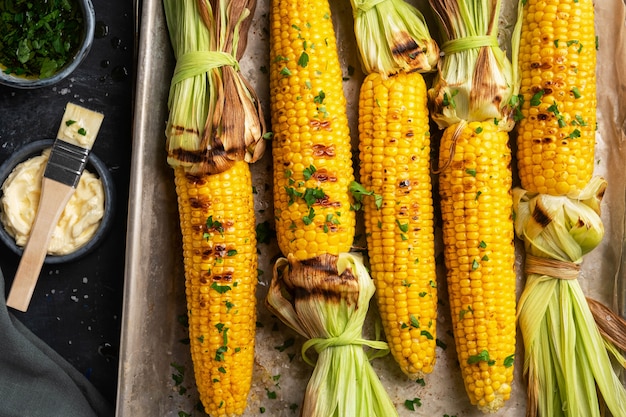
(36, 381)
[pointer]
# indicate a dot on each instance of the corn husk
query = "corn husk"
(215, 115)
(392, 36)
(327, 304)
(569, 365)
(476, 81)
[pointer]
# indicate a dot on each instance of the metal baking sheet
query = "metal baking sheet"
(156, 377)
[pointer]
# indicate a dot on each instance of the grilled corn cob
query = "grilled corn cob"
(214, 129)
(311, 144)
(479, 255)
(473, 100)
(219, 248)
(394, 153)
(568, 365)
(318, 288)
(557, 63)
(394, 148)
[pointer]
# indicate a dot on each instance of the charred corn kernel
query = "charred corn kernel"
(557, 61)
(476, 206)
(311, 144)
(220, 260)
(394, 145)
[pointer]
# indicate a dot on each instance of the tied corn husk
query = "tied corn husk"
(327, 303)
(215, 115)
(567, 362)
(476, 81)
(392, 36)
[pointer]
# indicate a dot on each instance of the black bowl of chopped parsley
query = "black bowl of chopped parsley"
(42, 42)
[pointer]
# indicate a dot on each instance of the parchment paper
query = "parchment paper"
(156, 376)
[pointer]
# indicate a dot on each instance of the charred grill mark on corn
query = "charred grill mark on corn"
(394, 144)
(311, 144)
(322, 280)
(476, 207)
(540, 215)
(556, 136)
(220, 260)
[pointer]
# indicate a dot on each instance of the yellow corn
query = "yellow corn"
(557, 61)
(476, 204)
(311, 145)
(219, 248)
(394, 144)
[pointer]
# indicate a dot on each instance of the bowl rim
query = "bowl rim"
(35, 148)
(89, 18)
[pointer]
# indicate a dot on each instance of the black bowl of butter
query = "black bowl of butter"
(85, 220)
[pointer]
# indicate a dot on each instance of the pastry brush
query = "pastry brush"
(68, 157)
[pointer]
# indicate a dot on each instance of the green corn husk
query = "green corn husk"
(476, 81)
(392, 36)
(215, 115)
(567, 362)
(328, 308)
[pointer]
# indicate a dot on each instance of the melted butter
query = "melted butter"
(78, 222)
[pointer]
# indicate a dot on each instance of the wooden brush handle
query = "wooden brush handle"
(53, 199)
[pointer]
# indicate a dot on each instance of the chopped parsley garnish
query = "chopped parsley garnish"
(220, 288)
(483, 356)
(575, 134)
(536, 99)
(219, 353)
(39, 37)
(308, 172)
(293, 194)
(404, 227)
(285, 72)
(578, 121)
(312, 195)
(308, 219)
(448, 100)
(213, 225)
(509, 360)
(358, 191)
(410, 404)
(319, 98)
(303, 61)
